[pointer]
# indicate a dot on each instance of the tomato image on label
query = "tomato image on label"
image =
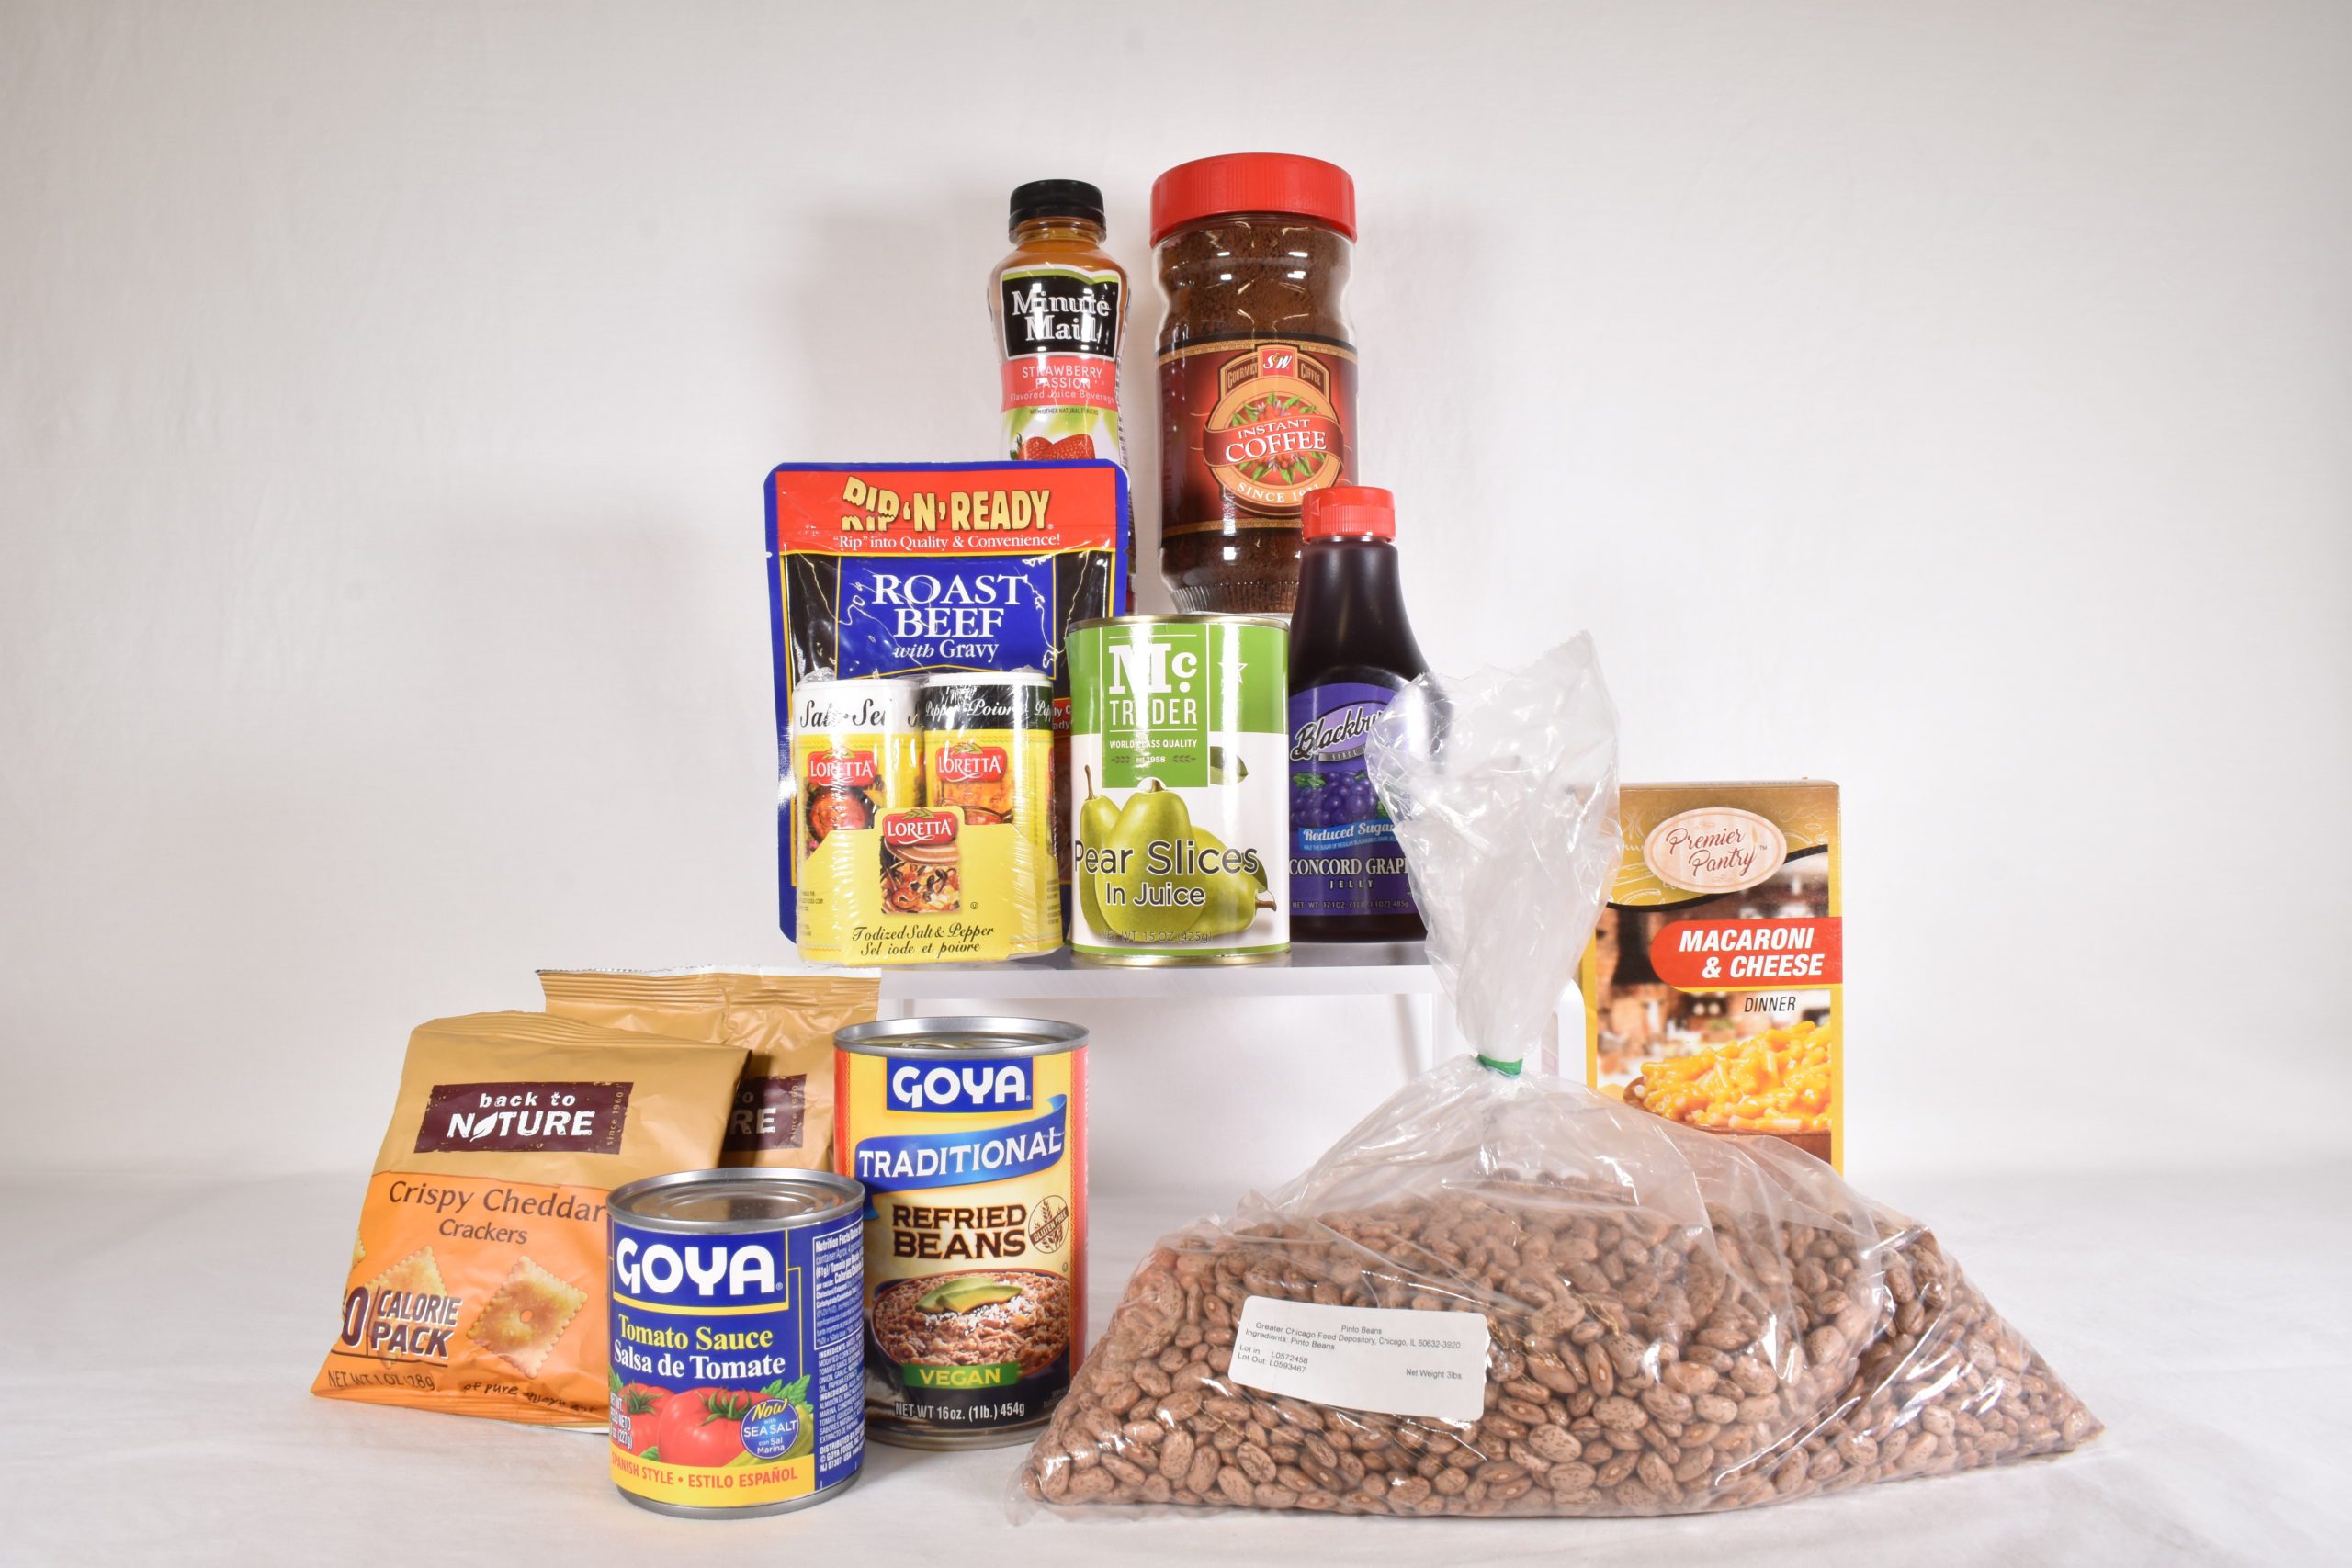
(701, 1427)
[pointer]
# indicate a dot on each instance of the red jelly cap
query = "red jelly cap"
(1350, 512)
(1253, 181)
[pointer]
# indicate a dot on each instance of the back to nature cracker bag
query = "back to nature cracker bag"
(477, 1282)
(783, 1103)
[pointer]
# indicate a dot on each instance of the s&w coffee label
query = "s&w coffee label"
(1391, 1359)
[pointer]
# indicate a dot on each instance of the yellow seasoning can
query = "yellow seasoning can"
(988, 753)
(856, 757)
(969, 1136)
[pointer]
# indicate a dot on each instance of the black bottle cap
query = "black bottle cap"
(1054, 198)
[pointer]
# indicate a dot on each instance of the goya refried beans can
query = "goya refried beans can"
(737, 1332)
(969, 1138)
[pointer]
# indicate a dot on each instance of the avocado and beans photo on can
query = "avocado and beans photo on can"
(1179, 749)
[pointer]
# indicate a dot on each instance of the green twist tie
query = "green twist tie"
(1508, 1069)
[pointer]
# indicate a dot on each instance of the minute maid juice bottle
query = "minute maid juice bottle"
(1059, 303)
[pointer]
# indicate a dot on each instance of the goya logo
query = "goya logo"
(961, 1088)
(1716, 849)
(1336, 736)
(704, 1269)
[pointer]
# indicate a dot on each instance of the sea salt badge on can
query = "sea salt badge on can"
(737, 1320)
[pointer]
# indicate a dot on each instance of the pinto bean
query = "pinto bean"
(1636, 1365)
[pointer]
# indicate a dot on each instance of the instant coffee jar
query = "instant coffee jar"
(1257, 369)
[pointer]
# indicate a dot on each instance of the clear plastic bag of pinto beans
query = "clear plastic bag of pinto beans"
(1506, 1294)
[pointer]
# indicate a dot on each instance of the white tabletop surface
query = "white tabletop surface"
(158, 1344)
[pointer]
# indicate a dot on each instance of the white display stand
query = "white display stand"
(1310, 969)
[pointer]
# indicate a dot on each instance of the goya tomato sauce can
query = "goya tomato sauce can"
(969, 1138)
(737, 1300)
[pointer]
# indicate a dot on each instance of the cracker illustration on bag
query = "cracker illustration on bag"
(784, 1106)
(489, 1198)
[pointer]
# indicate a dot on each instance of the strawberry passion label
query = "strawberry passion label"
(1061, 362)
(1273, 424)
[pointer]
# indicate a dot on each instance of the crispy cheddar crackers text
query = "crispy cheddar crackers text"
(476, 1279)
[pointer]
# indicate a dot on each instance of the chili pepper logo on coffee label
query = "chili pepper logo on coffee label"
(1275, 433)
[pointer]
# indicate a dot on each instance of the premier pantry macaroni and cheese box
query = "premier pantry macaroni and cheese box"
(1712, 988)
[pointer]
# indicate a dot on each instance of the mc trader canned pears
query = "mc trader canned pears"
(1179, 745)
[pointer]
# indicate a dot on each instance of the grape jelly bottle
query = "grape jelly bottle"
(1350, 652)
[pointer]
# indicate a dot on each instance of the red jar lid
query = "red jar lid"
(1253, 181)
(1353, 511)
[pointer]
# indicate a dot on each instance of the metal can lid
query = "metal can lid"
(744, 1198)
(1203, 619)
(959, 1036)
(988, 678)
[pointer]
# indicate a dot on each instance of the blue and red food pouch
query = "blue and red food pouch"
(892, 571)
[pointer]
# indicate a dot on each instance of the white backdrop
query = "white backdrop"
(1949, 401)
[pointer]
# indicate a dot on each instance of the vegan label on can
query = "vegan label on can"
(1179, 752)
(1061, 362)
(735, 1362)
(1258, 422)
(1344, 856)
(975, 1171)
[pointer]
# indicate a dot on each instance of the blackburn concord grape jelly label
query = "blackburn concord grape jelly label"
(1344, 856)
